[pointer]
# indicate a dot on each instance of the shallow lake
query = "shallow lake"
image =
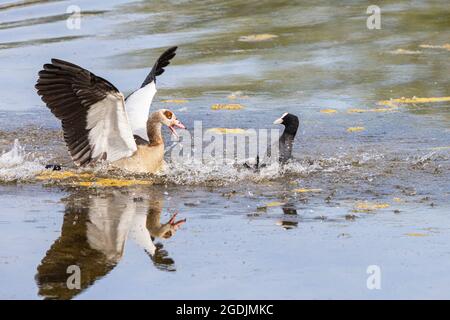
(368, 190)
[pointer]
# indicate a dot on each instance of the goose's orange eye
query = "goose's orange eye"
(167, 235)
(168, 114)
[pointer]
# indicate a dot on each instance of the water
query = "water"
(310, 230)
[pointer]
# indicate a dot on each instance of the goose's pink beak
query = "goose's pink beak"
(176, 124)
(176, 224)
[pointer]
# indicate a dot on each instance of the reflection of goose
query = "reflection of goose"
(99, 124)
(147, 226)
(93, 238)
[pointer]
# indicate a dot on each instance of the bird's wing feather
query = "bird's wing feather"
(138, 103)
(158, 68)
(91, 110)
(138, 107)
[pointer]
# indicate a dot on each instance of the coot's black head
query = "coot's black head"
(290, 121)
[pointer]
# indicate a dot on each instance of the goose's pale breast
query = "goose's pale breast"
(147, 159)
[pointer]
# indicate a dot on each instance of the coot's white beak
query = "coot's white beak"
(278, 121)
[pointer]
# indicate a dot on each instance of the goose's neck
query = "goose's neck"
(154, 216)
(154, 132)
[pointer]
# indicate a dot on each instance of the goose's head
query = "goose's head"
(168, 229)
(169, 119)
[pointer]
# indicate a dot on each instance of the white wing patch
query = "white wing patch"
(110, 220)
(110, 131)
(140, 234)
(137, 106)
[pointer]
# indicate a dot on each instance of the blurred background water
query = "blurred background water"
(384, 196)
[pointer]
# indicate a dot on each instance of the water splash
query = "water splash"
(219, 173)
(17, 165)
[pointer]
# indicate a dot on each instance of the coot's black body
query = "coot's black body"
(286, 141)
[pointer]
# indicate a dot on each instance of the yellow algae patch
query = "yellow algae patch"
(84, 183)
(366, 206)
(355, 110)
(422, 100)
(397, 200)
(396, 102)
(414, 234)
(328, 111)
(304, 190)
(257, 37)
(227, 106)
(112, 183)
(430, 46)
(274, 204)
(59, 175)
(176, 101)
(227, 130)
(89, 180)
(404, 51)
(382, 110)
(355, 129)
(388, 103)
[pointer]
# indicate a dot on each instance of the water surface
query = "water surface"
(375, 197)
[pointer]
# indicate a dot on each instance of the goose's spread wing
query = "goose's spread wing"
(91, 110)
(138, 103)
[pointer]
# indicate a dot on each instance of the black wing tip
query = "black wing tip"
(65, 65)
(48, 74)
(60, 61)
(56, 60)
(168, 55)
(172, 49)
(162, 62)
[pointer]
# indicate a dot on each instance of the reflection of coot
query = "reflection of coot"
(289, 224)
(161, 259)
(287, 210)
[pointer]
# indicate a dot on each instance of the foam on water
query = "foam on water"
(213, 173)
(18, 165)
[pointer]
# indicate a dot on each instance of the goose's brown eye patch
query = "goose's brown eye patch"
(168, 114)
(167, 235)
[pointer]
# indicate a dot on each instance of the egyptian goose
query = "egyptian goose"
(286, 140)
(99, 124)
